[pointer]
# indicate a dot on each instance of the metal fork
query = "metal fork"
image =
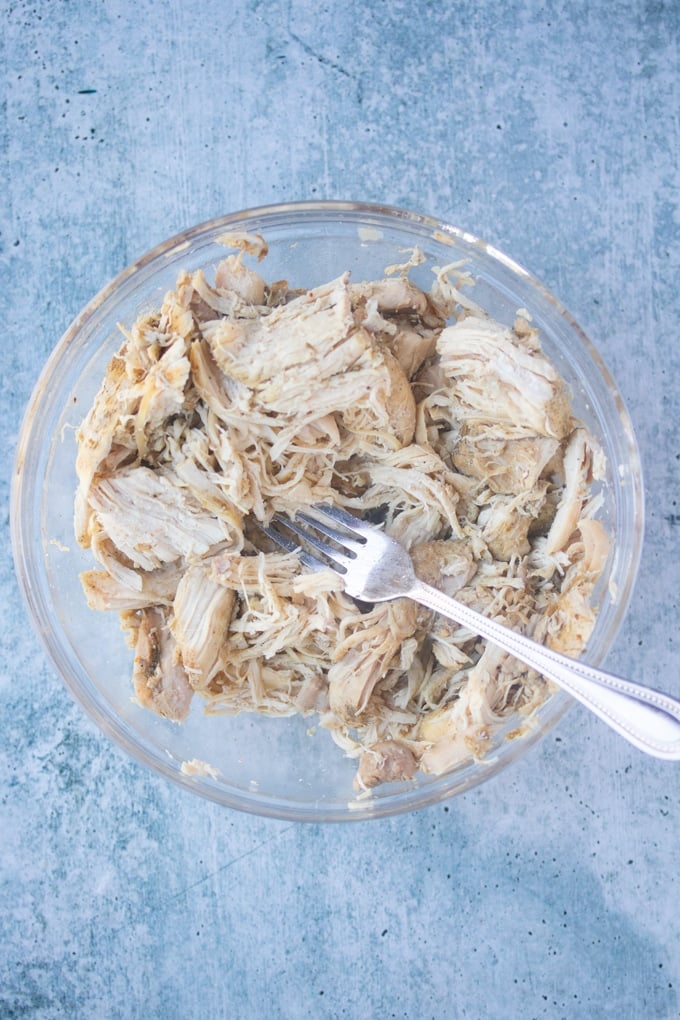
(375, 568)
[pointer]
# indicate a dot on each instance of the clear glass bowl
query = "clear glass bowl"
(282, 767)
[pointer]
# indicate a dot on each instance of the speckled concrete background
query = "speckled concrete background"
(551, 130)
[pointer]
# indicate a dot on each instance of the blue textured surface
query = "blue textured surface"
(551, 130)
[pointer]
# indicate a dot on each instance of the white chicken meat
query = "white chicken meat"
(238, 399)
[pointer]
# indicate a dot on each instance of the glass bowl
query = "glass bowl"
(283, 767)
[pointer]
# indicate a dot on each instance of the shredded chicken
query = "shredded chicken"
(238, 399)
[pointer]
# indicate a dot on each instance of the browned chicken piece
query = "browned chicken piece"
(159, 678)
(247, 242)
(412, 347)
(217, 302)
(155, 587)
(161, 393)
(590, 555)
(445, 564)
(183, 312)
(388, 408)
(395, 295)
(386, 761)
(504, 465)
(505, 522)
(568, 622)
(398, 399)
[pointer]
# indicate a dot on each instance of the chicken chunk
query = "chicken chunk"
(497, 376)
(447, 565)
(154, 587)
(232, 275)
(578, 474)
(202, 611)
(316, 330)
(389, 409)
(396, 295)
(505, 465)
(412, 347)
(387, 761)
(160, 680)
(161, 393)
(151, 521)
(505, 522)
(363, 657)
(103, 427)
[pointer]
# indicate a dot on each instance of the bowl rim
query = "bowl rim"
(411, 797)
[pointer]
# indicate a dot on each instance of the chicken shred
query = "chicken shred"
(238, 399)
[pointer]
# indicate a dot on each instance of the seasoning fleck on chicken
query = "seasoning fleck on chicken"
(240, 398)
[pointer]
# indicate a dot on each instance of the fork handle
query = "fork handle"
(648, 719)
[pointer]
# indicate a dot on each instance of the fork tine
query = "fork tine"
(348, 520)
(356, 545)
(287, 544)
(334, 555)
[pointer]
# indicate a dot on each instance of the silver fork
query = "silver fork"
(375, 568)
